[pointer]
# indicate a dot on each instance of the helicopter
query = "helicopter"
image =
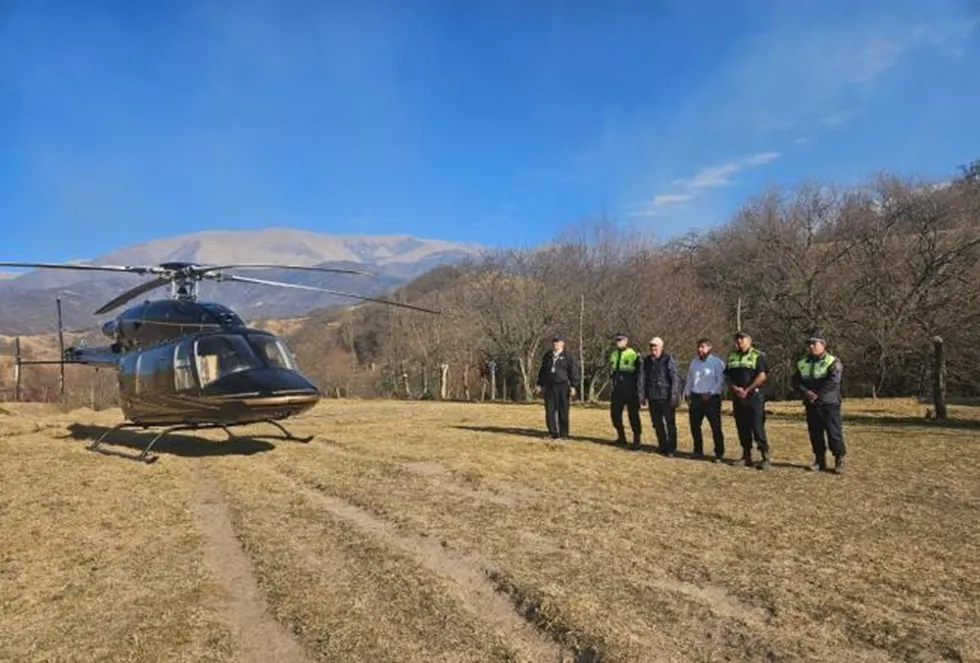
(185, 364)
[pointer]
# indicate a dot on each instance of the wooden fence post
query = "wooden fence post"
(61, 355)
(444, 382)
(17, 369)
(939, 378)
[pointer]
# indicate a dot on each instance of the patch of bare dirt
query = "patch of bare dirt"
(478, 593)
(503, 496)
(260, 637)
(718, 600)
(426, 468)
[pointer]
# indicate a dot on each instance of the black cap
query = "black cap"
(558, 337)
(743, 332)
(620, 336)
(816, 336)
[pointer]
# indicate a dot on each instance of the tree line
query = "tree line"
(882, 268)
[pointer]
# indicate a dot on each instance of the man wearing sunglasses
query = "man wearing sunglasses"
(818, 378)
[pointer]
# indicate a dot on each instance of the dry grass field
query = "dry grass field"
(454, 532)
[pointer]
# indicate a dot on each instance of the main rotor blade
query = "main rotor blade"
(335, 270)
(245, 279)
(132, 294)
(93, 268)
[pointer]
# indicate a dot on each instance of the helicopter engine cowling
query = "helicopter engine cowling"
(110, 329)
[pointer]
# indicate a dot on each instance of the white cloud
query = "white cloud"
(668, 199)
(835, 120)
(645, 212)
(950, 37)
(720, 175)
(707, 178)
(798, 74)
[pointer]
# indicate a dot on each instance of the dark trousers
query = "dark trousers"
(750, 420)
(823, 421)
(664, 424)
(630, 401)
(712, 410)
(556, 409)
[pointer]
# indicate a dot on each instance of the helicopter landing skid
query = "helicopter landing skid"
(145, 453)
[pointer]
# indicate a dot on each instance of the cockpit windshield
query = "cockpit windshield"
(272, 351)
(220, 356)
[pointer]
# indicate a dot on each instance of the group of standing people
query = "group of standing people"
(654, 381)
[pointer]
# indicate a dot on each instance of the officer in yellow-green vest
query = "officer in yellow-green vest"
(818, 378)
(746, 372)
(624, 363)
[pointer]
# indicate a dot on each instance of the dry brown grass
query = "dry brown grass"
(428, 531)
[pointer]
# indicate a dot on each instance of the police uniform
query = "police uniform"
(625, 367)
(558, 374)
(820, 376)
(750, 412)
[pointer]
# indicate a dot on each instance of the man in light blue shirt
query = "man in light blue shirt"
(702, 391)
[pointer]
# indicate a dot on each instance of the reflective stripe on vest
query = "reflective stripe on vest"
(748, 360)
(815, 370)
(627, 360)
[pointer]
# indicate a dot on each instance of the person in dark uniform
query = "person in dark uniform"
(660, 386)
(746, 372)
(818, 378)
(557, 377)
(624, 363)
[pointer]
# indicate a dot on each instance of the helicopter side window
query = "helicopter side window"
(220, 356)
(183, 372)
(272, 351)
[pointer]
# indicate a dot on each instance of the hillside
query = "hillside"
(27, 301)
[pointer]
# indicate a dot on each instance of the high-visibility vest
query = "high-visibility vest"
(747, 360)
(625, 361)
(816, 370)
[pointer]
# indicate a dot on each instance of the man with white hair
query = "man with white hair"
(661, 387)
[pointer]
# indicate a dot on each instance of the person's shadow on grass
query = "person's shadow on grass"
(643, 448)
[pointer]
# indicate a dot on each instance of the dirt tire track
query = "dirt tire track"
(478, 592)
(260, 638)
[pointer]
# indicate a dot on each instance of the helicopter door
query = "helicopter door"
(151, 370)
(183, 367)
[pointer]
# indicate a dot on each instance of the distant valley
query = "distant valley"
(27, 300)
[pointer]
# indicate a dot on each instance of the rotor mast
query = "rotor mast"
(184, 286)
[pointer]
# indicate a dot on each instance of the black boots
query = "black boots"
(747, 458)
(766, 463)
(819, 464)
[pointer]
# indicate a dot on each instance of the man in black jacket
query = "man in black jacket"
(557, 377)
(661, 387)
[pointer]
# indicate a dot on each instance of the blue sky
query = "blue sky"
(495, 122)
